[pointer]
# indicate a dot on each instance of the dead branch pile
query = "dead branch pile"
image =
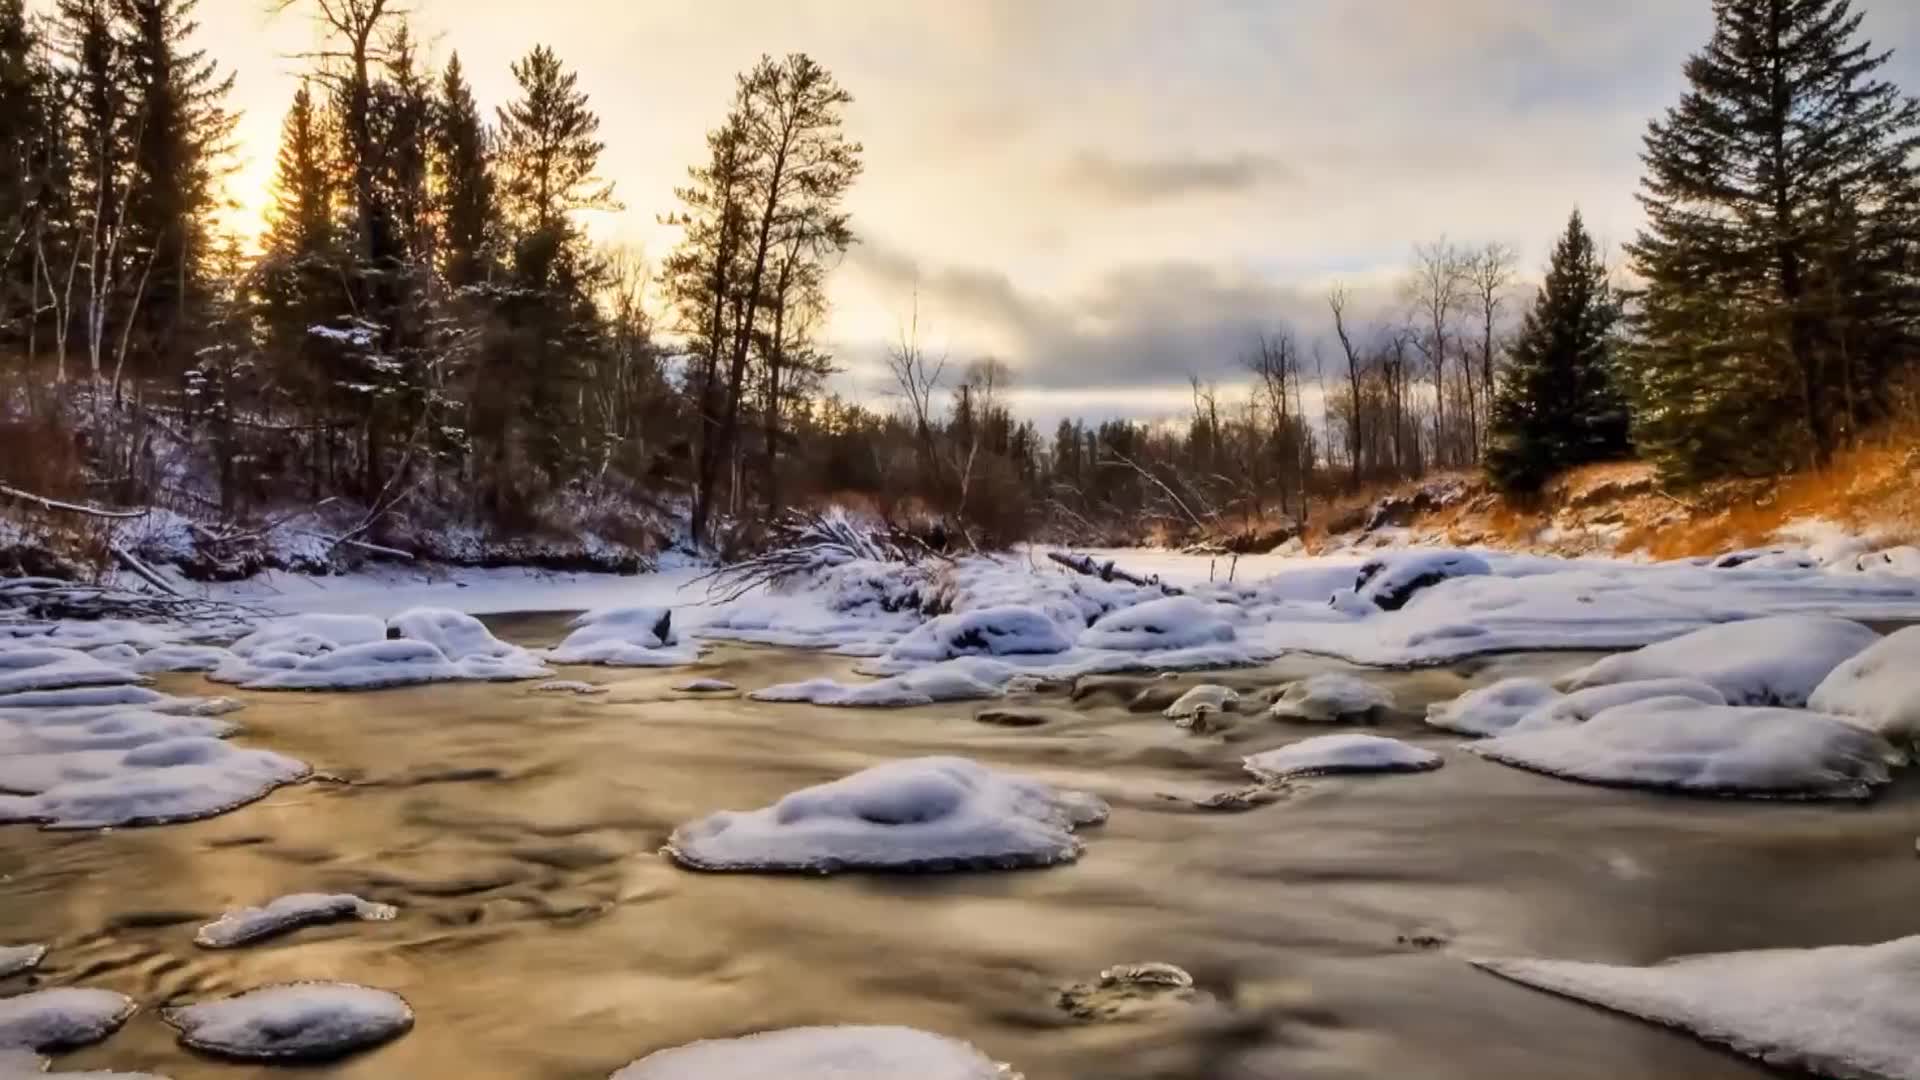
(1108, 570)
(803, 542)
(50, 599)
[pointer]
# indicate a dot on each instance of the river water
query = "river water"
(542, 936)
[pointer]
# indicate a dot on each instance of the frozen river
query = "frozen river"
(541, 935)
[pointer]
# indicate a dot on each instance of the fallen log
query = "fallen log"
(1109, 571)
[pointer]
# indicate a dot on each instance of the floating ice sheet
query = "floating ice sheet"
(295, 1021)
(247, 925)
(1345, 753)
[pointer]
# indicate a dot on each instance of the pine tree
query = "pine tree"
(548, 154)
(1783, 222)
(1557, 405)
(463, 184)
(21, 128)
(303, 220)
(180, 135)
(403, 110)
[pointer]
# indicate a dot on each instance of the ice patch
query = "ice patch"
(61, 1019)
(625, 637)
(1678, 744)
(295, 1021)
(157, 783)
(1175, 622)
(1008, 630)
(1491, 710)
(569, 686)
(183, 658)
(246, 925)
(706, 686)
(1348, 753)
(1878, 688)
(821, 1053)
(60, 731)
(939, 813)
(1771, 661)
(1332, 698)
(15, 959)
(1844, 1012)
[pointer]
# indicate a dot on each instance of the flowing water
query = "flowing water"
(541, 934)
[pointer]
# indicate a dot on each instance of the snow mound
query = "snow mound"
(1008, 630)
(1350, 753)
(183, 658)
(61, 1019)
(1491, 710)
(1771, 661)
(1332, 698)
(303, 636)
(1583, 705)
(1678, 744)
(1844, 1012)
(35, 668)
(156, 783)
(705, 686)
(107, 698)
(969, 678)
(247, 925)
(821, 1053)
(1175, 622)
(625, 637)
(15, 959)
(1388, 583)
(294, 1021)
(1201, 700)
(375, 665)
(1878, 688)
(59, 731)
(938, 813)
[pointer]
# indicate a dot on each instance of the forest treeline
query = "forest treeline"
(426, 329)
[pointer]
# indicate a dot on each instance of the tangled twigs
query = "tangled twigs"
(804, 541)
(51, 598)
(1109, 571)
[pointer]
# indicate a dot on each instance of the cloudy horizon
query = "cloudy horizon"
(1109, 197)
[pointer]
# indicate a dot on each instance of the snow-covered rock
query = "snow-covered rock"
(1347, 753)
(1678, 744)
(705, 686)
(1903, 561)
(1493, 709)
(1007, 630)
(244, 926)
(295, 1021)
(1389, 582)
(940, 813)
(1174, 622)
(156, 783)
(1878, 688)
(457, 635)
(1332, 698)
(15, 959)
(56, 669)
(304, 636)
(1202, 700)
(1583, 705)
(403, 662)
(969, 678)
(821, 1053)
(1770, 661)
(1845, 1012)
(642, 636)
(62, 1018)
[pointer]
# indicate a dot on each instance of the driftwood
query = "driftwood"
(51, 598)
(1109, 571)
(141, 570)
(66, 507)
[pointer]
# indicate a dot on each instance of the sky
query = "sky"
(1110, 196)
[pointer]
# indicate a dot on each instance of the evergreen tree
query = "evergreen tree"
(1780, 252)
(21, 128)
(463, 182)
(548, 154)
(180, 134)
(1557, 405)
(403, 110)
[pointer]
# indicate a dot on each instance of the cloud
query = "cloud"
(1149, 180)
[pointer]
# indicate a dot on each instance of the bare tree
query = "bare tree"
(1337, 303)
(1435, 289)
(917, 378)
(1490, 274)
